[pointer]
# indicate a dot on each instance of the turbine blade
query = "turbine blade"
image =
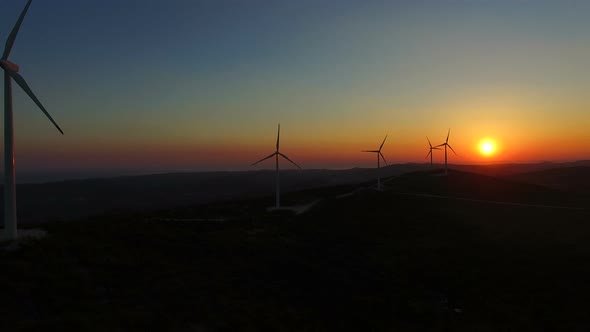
(292, 162)
(451, 149)
(440, 145)
(435, 148)
(447, 141)
(278, 136)
(381, 154)
(382, 143)
(376, 151)
(263, 159)
(428, 154)
(428, 141)
(23, 84)
(14, 32)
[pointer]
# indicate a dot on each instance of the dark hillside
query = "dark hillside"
(371, 260)
(476, 186)
(73, 199)
(572, 179)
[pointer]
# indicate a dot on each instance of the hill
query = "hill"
(66, 200)
(359, 260)
(569, 179)
(509, 169)
(474, 186)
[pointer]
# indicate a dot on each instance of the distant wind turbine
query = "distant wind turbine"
(11, 73)
(430, 150)
(379, 156)
(445, 144)
(276, 154)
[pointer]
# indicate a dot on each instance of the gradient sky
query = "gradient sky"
(201, 85)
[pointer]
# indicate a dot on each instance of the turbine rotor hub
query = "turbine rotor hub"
(13, 67)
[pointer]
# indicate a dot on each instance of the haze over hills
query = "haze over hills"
(80, 198)
(32, 177)
(77, 198)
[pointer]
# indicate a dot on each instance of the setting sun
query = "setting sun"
(487, 147)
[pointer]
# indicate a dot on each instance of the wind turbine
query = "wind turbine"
(430, 150)
(445, 144)
(379, 154)
(276, 154)
(11, 73)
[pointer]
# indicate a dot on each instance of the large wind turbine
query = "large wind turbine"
(276, 154)
(11, 73)
(379, 156)
(445, 144)
(430, 150)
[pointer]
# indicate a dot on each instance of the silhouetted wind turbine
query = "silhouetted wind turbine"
(445, 144)
(276, 154)
(379, 154)
(11, 73)
(430, 150)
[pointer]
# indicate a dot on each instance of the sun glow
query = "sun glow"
(487, 147)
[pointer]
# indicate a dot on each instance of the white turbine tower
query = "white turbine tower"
(11, 73)
(445, 144)
(276, 154)
(379, 156)
(430, 151)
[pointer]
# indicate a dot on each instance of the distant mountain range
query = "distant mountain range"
(73, 199)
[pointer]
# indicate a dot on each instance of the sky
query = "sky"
(157, 85)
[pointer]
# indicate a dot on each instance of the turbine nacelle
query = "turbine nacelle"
(10, 66)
